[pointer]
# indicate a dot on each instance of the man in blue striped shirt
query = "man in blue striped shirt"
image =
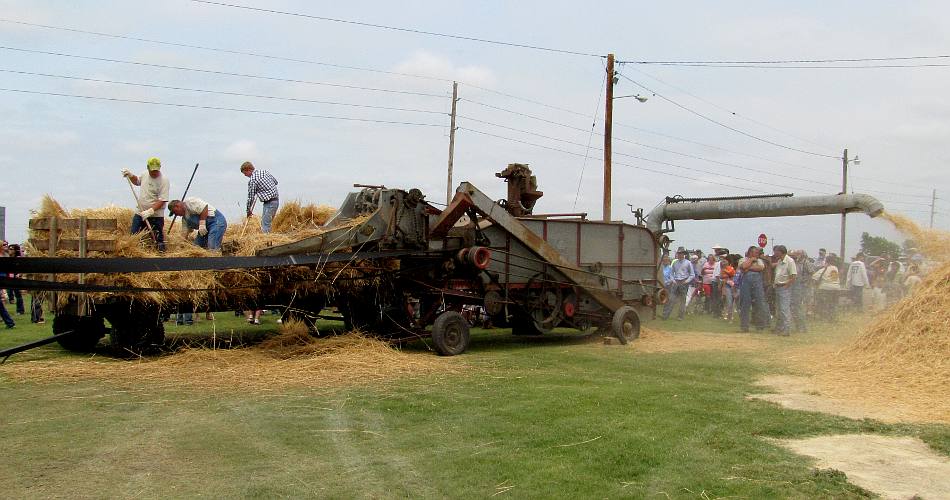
(262, 185)
(682, 274)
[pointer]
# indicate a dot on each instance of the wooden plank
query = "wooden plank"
(74, 245)
(91, 224)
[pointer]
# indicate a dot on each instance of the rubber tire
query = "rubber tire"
(138, 333)
(89, 330)
(450, 334)
(625, 324)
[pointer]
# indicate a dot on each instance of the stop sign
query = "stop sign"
(763, 240)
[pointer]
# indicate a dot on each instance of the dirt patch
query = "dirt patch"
(893, 467)
(659, 341)
(802, 393)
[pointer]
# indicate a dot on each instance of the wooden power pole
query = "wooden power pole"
(455, 99)
(608, 129)
(844, 190)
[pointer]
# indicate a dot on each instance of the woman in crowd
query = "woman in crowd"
(828, 281)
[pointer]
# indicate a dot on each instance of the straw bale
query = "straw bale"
(904, 352)
(245, 238)
(291, 360)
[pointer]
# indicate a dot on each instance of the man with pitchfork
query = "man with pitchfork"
(151, 201)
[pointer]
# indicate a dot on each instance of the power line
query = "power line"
(514, 129)
(590, 138)
(772, 66)
(795, 61)
(225, 73)
(218, 108)
(705, 181)
(733, 113)
(224, 51)
(396, 28)
(773, 143)
(220, 92)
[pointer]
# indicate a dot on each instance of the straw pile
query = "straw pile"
(904, 353)
(290, 360)
(292, 222)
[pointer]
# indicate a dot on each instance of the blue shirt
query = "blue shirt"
(667, 275)
(683, 270)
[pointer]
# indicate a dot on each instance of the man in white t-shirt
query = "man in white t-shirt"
(207, 222)
(152, 199)
(857, 281)
(784, 274)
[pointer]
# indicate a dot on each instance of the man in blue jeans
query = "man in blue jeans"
(682, 275)
(200, 217)
(784, 273)
(752, 291)
(263, 186)
(152, 198)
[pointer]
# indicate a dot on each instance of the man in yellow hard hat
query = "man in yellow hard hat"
(152, 199)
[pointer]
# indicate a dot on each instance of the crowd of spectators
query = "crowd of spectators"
(782, 290)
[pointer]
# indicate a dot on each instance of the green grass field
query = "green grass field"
(527, 418)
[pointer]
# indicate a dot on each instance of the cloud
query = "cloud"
(428, 64)
(242, 150)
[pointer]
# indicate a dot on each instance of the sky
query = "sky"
(703, 131)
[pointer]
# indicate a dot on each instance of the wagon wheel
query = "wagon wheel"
(87, 331)
(137, 330)
(541, 307)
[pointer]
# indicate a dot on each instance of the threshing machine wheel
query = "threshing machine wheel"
(543, 306)
(87, 331)
(626, 324)
(450, 333)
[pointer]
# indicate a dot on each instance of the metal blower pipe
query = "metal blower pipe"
(763, 207)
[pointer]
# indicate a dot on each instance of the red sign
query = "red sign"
(763, 240)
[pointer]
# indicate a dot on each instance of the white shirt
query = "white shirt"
(152, 190)
(194, 206)
(857, 275)
(784, 270)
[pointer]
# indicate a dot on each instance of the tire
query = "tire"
(138, 331)
(87, 331)
(626, 324)
(450, 334)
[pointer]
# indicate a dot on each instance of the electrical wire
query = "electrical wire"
(637, 167)
(772, 66)
(795, 61)
(396, 28)
(220, 92)
(665, 163)
(590, 138)
(218, 108)
(731, 112)
(224, 51)
(225, 73)
(713, 120)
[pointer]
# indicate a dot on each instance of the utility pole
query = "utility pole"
(844, 190)
(455, 100)
(933, 204)
(608, 129)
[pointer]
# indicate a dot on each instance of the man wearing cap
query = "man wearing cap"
(263, 186)
(152, 199)
(199, 216)
(683, 275)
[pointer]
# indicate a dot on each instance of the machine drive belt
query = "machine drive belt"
(61, 286)
(54, 265)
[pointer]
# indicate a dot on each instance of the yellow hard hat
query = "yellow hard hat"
(154, 164)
